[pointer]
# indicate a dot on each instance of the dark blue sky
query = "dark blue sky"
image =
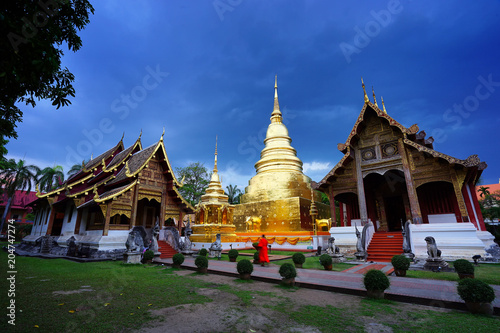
(206, 68)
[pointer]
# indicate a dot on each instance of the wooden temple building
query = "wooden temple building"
(390, 174)
(113, 193)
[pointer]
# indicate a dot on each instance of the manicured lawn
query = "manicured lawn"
(63, 296)
(489, 273)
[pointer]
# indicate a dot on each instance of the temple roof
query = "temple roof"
(411, 137)
(104, 156)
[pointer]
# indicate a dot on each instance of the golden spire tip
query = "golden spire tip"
(383, 105)
(374, 98)
(364, 91)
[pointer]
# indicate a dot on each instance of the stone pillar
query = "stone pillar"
(410, 185)
(361, 189)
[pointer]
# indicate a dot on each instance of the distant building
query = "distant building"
(19, 207)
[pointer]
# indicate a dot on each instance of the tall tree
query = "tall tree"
(50, 178)
(233, 193)
(196, 180)
(18, 176)
(32, 33)
(76, 168)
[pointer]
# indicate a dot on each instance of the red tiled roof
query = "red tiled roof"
(21, 199)
(491, 187)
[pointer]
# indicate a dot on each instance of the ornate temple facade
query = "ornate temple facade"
(113, 193)
(278, 198)
(214, 214)
(391, 174)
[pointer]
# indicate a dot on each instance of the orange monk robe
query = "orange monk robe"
(263, 250)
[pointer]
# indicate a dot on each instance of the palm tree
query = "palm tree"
(17, 176)
(486, 195)
(233, 194)
(51, 178)
(76, 169)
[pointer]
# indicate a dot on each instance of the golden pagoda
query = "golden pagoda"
(278, 198)
(214, 214)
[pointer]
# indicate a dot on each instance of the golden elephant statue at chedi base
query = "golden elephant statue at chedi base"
(252, 223)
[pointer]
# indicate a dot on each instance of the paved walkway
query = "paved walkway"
(419, 291)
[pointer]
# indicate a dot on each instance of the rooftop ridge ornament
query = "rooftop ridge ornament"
(140, 134)
(364, 91)
(374, 98)
(123, 135)
(162, 134)
(383, 105)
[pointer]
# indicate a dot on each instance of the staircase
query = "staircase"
(385, 245)
(166, 250)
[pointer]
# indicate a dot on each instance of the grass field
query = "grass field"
(56, 295)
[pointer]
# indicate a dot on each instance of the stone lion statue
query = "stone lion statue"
(432, 249)
(134, 242)
(216, 247)
(332, 248)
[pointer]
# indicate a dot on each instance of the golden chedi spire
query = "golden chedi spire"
(214, 191)
(278, 165)
(278, 154)
(383, 105)
(364, 91)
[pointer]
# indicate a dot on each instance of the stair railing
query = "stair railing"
(171, 236)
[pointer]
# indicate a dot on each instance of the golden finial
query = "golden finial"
(374, 98)
(162, 134)
(215, 162)
(123, 135)
(140, 134)
(91, 156)
(276, 115)
(96, 196)
(383, 105)
(364, 91)
(127, 170)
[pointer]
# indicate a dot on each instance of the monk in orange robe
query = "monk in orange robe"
(263, 258)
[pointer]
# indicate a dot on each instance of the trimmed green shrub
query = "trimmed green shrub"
(203, 252)
(178, 259)
(288, 271)
(475, 291)
(148, 255)
(299, 258)
(256, 256)
(232, 254)
(375, 279)
(244, 266)
(400, 262)
(201, 262)
(325, 260)
(463, 266)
